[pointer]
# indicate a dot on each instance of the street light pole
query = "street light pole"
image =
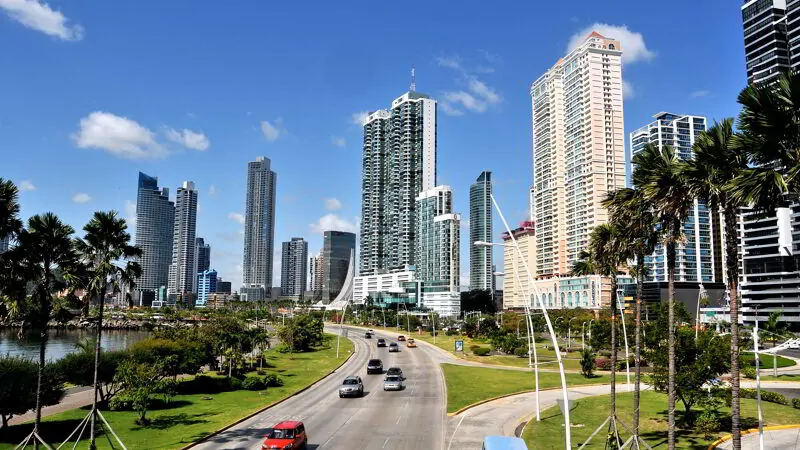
(569, 333)
(758, 388)
(341, 328)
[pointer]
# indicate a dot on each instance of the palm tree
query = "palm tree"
(12, 278)
(636, 223)
(658, 174)
(716, 165)
(46, 249)
(9, 209)
(605, 255)
(105, 245)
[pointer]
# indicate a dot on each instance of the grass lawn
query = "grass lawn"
(190, 417)
(589, 413)
(467, 385)
(749, 359)
(780, 377)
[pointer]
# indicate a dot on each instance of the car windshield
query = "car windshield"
(374, 362)
(281, 434)
(393, 344)
(350, 381)
(393, 379)
(394, 370)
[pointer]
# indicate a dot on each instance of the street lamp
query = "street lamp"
(569, 333)
(341, 327)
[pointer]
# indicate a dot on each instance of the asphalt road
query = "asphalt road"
(409, 419)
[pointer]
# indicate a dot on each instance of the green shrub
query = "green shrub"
(774, 397)
(602, 364)
(521, 352)
(708, 424)
(254, 383)
(204, 384)
(749, 372)
(587, 363)
(482, 351)
(283, 348)
(474, 347)
(796, 403)
(235, 383)
(272, 380)
(451, 332)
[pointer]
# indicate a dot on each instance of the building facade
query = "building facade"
(223, 287)
(202, 253)
(480, 229)
(155, 219)
(294, 268)
(316, 272)
(253, 293)
(336, 250)
(695, 258)
(516, 283)
(206, 286)
(182, 274)
(578, 149)
(399, 162)
(259, 228)
(766, 41)
(437, 238)
(366, 286)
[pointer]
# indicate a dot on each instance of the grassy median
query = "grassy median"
(467, 385)
(191, 417)
(589, 413)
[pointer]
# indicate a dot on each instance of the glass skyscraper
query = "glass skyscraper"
(480, 229)
(206, 285)
(155, 217)
(259, 228)
(695, 257)
(336, 251)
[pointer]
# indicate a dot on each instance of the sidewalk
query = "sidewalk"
(76, 397)
(773, 440)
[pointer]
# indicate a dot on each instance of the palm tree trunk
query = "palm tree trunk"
(614, 347)
(674, 230)
(637, 348)
(92, 444)
(44, 316)
(732, 262)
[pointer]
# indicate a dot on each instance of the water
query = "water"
(63, 342)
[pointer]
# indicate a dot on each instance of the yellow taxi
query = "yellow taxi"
(411, 343)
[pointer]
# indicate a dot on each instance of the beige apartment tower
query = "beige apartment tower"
(578, 150)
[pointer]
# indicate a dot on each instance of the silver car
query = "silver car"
(351, 387)
(393, 347)
(393, 383)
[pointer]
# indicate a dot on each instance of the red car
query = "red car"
(286, 435)
(401, 338)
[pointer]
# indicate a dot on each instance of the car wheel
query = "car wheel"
(340, 395)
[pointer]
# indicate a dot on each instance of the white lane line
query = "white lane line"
(385, 442)
(398, 419)
(454, 431)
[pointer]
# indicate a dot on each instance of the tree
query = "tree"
(78, 368)
(44, 247)
(478, 300)
(587, 363)
(18, 386)
(140, 382)
(172, 357)
(636, 222)
(605, 255)
(10, 224)
(302, 333)
(659, 175)
(716, 165)
(105, 245)
(775, 327)
(697, 363)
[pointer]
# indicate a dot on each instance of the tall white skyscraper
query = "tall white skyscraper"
(480, 229)
(438, 227)
(155, 219)
(294, 257)
(259, 228)
(182, 274)
(399, 162)
(578, 149)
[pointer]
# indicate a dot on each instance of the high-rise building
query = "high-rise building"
(578, 149)
(793, 31)
(203, 255)
(182, 274)
(399, 162)
(437, 243)
(766, 45)
(294, 257)
(695, 261)
(316, 271)
(517, 289)
(155, 219)
(480, 229)
(206, 285)
(259, 229)
(223, 287)
(337, 248)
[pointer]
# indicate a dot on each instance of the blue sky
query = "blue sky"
(93, 92)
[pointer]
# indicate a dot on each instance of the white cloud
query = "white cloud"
(81, 197)
(487, 93)
(117, 135)
(332, 222)
(333, 204)
(633, 46)
(466, 100)
(463, 279)
(359, 118)
(478, 96)
(450, 62)
(338, 141)
(272, 131)
(26, 185)
(236, 217)
(40, 16)
(451, 110)
(212, 190)
(700, 93)
(188, 138)
(627, 90)
(130, 213)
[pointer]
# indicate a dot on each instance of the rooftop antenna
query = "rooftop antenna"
(413, 79)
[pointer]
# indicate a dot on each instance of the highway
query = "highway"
(410, 419)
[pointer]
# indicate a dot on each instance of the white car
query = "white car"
(393, 383)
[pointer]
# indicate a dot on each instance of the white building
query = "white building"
(259, 228)
(365, 285)
(182, 275)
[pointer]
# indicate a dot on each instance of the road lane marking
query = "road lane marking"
(385, 442)
(398, 419)
(454, 431)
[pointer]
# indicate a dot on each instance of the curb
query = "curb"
(527, 391)
(275, 403)
(728, 437)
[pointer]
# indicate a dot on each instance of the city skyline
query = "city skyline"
(226, 136)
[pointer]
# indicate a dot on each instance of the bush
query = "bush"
(451, 332)
(587, 363)
(708, 424)
(272, 380)
(774, 397)
(283, 348)
(796, 403)
(482, 351)
(254, 383)
(204, 384)
(749, 372)
(602, 363)
(235, 383)
(474, 347)
(605, 353)
(521, 352)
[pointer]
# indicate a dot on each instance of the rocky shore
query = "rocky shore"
(108, 324)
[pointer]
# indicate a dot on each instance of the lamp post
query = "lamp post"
(569, 333)
(341, 328)
(583, 336)
(758, 388)
(564, 392)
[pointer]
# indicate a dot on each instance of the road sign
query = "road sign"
(459, 346)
